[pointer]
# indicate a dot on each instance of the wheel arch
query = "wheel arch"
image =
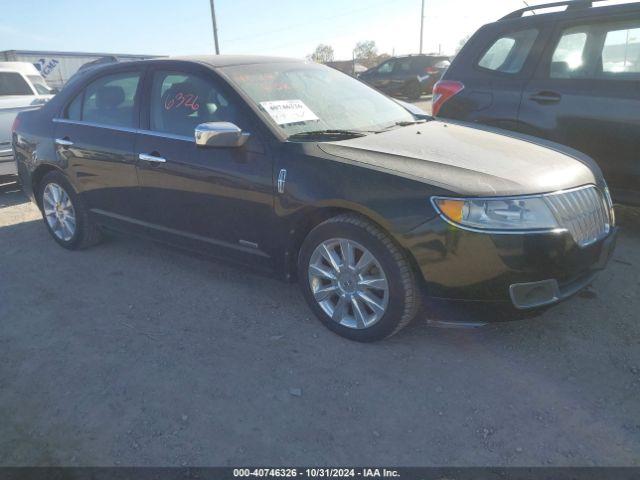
(36, 177)
(301, 225)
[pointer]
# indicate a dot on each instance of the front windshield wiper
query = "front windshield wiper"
(404, 123)
(328, 133)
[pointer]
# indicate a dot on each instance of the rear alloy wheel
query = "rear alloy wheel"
(59, 212)
(356, 279)
(65, 213)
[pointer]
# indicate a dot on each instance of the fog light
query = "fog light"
(534, 294)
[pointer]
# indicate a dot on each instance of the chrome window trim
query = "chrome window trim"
(503, 197)
(125, 129)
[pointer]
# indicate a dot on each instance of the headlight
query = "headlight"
(506, 213)
(612, 212)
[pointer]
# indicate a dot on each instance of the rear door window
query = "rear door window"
(403, 65)
(568, 59)
(603, 50)
(621, 53)
(12, 83)
(111, 100)
(508, 53)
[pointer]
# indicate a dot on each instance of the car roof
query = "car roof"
(212, 61)
(221, 61)
(25, 68)
(420, 55)
(575, 9)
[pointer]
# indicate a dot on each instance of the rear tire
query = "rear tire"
(65, 214)
(357, 280)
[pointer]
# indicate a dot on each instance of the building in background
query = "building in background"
(58, 67)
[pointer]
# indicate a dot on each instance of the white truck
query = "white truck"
(21, 88)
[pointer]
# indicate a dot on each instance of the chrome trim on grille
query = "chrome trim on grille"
(583, 212)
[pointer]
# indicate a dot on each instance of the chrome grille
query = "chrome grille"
(583, 212)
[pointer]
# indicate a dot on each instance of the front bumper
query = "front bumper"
(526, 270)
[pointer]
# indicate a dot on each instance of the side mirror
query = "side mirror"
(220, 134)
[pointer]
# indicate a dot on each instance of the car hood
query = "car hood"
(469, 161)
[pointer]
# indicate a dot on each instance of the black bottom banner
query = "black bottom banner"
(398, 473)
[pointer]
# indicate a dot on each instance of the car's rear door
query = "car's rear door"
(494, 68)
(95, 137)
(201, 196)
(586, 94)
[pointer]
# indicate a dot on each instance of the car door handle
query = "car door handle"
(151, 158)
(546, 97)
(64, 142)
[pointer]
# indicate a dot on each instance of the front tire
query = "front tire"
(65, 213)
(357, 280)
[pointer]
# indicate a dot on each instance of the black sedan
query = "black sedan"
(295, 168)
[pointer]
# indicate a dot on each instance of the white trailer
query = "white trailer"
(58, 67)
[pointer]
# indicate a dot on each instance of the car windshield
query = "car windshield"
(306, 99)
(40, 85)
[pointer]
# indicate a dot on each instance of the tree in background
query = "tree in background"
(366, 53)
(322, 54)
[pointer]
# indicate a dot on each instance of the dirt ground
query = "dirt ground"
(131, 353)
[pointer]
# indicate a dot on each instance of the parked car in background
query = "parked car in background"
(410, 76)
(570, 76)
(21, 88)
(296, 168)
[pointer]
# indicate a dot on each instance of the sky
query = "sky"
(290, 28)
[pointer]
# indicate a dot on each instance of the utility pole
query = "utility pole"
(215, 27)
(421, 25)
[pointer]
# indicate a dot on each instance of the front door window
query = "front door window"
(180, 102)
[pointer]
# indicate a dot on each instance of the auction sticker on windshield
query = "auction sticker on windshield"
(289, 111)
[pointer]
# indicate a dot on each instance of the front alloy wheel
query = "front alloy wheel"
(348, 283)
(357, 280)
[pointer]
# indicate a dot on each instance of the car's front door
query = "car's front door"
(202, 196)
(586, 94)
(95, 138)
(401, 75)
